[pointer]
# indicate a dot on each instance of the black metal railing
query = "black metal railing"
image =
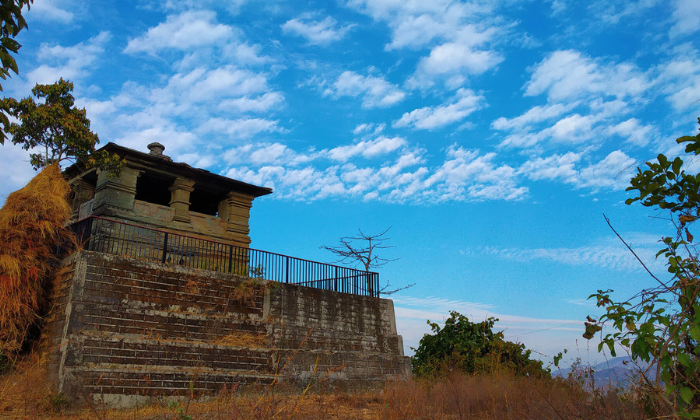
(129, 240)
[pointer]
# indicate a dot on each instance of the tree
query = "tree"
(11, 22)
(662, 324)
(56, 126)
(471, 348)
(365, 254)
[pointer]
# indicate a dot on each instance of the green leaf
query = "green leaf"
(686, 394)
(695, 333)
(677, 163)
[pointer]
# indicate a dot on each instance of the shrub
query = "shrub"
(472, 348)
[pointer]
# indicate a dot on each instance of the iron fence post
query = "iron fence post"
(286, 271)
(230, 258)
(165, 247)
(89, 235)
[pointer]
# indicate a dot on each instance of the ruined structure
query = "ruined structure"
(167, 296)
(154, 191)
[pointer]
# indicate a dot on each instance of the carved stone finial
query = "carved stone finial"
(156, 149)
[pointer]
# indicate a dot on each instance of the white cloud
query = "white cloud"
(241, 128)
(262, 103)
(608, 254)
(429, 118)
(466, 174)
(245, 54)
(613, 172)
(455, 60)
(375, 91)
(184, 91)
(316, 32)
(634, 131)
(535, 114)
(368, 149)
(574, 128)
(457, 34)
(369, 129)
(686, 14)
(601, 92)
(267, 154)
(567, 75)
(17, 171)
(681, 77)
(174, 139)
(611, 12)
(415, 24)
(552, 167)
(52, 10)
(67, 62)
(182, 32)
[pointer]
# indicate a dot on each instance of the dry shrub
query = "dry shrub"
(24, 391)
(247, 290)
(243, 339)
(31, 228)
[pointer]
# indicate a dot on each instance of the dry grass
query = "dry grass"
(31, 226)
(504, 396)
(244, 339)
(23, 394)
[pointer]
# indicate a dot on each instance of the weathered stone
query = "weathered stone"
(125, 330)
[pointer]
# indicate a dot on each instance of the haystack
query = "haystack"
(31, 227)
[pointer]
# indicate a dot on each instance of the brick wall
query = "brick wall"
(126, 330)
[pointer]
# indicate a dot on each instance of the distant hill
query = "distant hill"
(619, 371)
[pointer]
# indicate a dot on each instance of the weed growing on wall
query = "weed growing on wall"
(31, 228)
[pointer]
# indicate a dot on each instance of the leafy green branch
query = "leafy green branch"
(661, 325)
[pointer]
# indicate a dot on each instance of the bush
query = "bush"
(472, 348)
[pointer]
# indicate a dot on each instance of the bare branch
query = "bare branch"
(363, 250)
(635, 254)
(383, 290)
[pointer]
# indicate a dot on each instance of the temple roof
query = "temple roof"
(157, 162)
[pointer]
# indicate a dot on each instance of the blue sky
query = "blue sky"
(490, 135)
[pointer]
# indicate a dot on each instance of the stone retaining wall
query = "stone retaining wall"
(125, 330)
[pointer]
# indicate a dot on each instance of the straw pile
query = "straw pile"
(31, 226)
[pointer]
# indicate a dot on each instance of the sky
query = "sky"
(490, 135)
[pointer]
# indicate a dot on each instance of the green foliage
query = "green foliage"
(179, 411)
(56, 126)
(662, 324)
(11, 22)
(58, 402)
(472, 348)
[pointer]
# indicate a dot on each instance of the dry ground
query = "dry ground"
(25, 395)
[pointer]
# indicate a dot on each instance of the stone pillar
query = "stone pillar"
(180, 199)
(235, 209)
(83, 192)
(115, 192)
